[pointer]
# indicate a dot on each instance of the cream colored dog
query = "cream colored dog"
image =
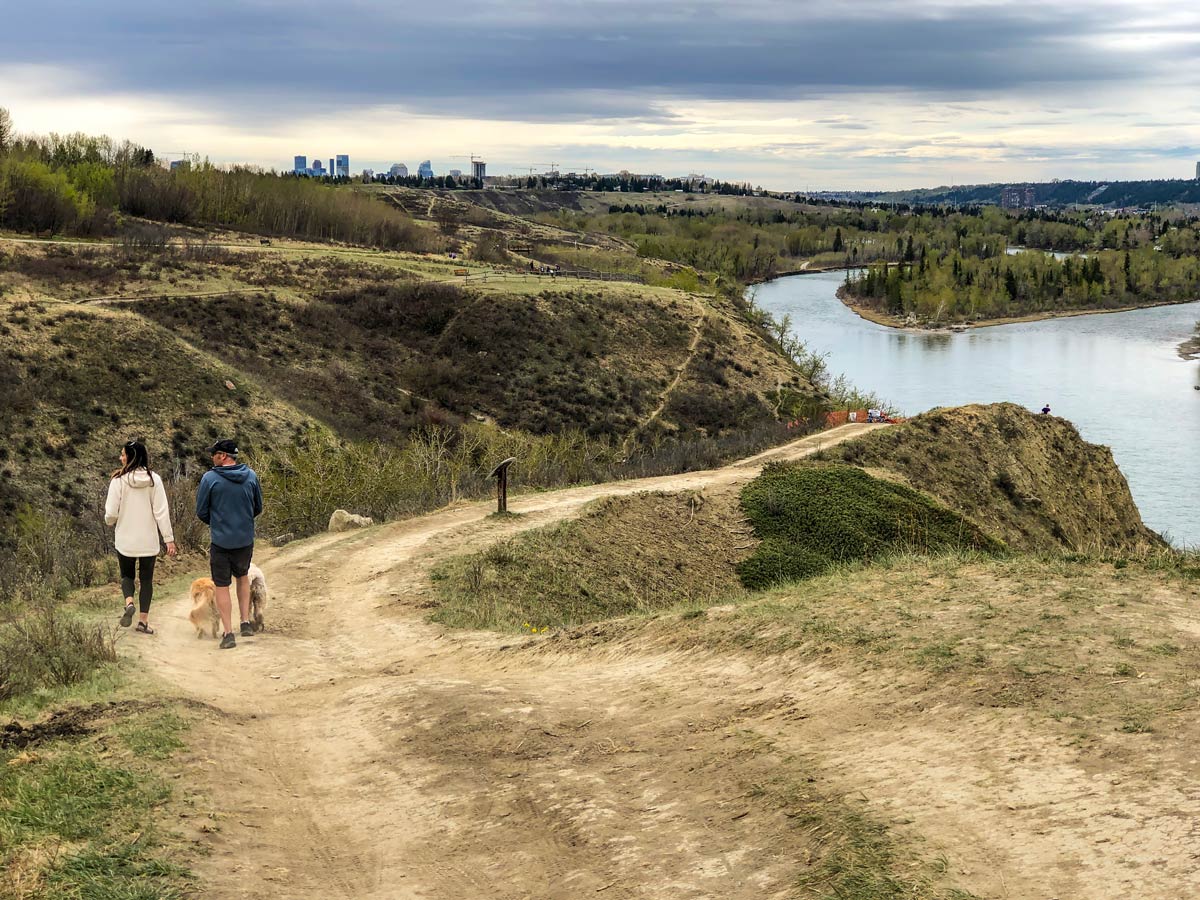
(204, 616)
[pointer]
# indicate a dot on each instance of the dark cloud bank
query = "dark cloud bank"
(614, 60)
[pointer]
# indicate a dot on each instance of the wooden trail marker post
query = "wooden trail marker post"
(500, 473)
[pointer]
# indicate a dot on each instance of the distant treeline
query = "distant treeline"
(951, 287)
(756, 243)
(81, 185)
(1052, 193)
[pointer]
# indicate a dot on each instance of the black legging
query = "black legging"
(145, 574)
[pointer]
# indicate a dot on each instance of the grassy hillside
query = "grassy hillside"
(370, 361)
(80, 381)
(1027, 479)
(973, 480)
(104, 343)
(1095, 647)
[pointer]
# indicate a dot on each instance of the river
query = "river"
(1117, 376)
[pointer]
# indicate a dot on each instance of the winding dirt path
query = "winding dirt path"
(362, 752)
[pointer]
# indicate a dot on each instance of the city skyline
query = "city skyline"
(872, 94)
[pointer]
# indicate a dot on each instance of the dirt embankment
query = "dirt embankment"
(1000, 472)
(1027, 479)
(1190, 349)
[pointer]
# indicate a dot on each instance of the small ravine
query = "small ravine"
(1117, 376)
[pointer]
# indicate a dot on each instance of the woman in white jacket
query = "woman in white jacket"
(137, 505)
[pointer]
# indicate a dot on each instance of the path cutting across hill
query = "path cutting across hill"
(360, 751)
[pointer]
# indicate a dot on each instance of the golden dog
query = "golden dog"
(204, 616)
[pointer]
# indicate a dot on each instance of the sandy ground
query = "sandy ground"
(359, 751)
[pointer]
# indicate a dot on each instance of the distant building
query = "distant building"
(456, 173)
(343, 166)
(478, 169)
(425, 170)
(300, 166)
(317, 170)
(332, 168)
(1198, 171)
(398, 170)
(180, 164)
(1018, 197)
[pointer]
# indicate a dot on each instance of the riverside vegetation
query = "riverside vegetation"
(929, 264)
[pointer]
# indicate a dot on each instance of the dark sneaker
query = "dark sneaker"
(247, 630)
(127, 616)
(228, 642)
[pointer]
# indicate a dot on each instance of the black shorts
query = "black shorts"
(228, 564)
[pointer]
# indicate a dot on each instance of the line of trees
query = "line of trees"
(953, 287)
(929, 262)
(83, 185)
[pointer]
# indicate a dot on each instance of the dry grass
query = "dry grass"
(1027, 479)
(1098, 646)
(626, 555)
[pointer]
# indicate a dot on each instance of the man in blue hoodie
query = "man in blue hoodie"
(227, 501)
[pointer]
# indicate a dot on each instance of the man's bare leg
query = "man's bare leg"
(224, 608)
(243, 594)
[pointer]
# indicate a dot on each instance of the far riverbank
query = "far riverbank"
(890, 321)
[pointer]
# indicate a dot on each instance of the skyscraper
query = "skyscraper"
(398, 170)
(301, 165)
(343, 166)
(425, 170)
(332, 170)
(478, 170)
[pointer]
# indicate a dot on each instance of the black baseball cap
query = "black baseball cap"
(229, 447)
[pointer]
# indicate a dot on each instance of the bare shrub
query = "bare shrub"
(145, 239)
(46, 554)
(48, 647)
(490, 247)
(190, 533)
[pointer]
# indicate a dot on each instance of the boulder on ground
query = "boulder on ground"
(344, 521)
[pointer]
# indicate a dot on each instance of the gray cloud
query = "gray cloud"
(271, 60)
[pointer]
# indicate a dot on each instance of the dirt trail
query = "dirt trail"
(366, 753)
(697, 335)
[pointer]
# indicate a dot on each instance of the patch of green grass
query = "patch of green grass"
(71, 795)
(855, 857)
(119, 872)
(78, 820)
(812, 517)
(82, 792)
(152, 736)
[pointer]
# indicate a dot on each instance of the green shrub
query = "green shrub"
(811, 517)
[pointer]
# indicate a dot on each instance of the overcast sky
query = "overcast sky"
(798, 94)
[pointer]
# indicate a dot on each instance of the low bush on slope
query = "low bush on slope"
(810, 518)
(1027, 479)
